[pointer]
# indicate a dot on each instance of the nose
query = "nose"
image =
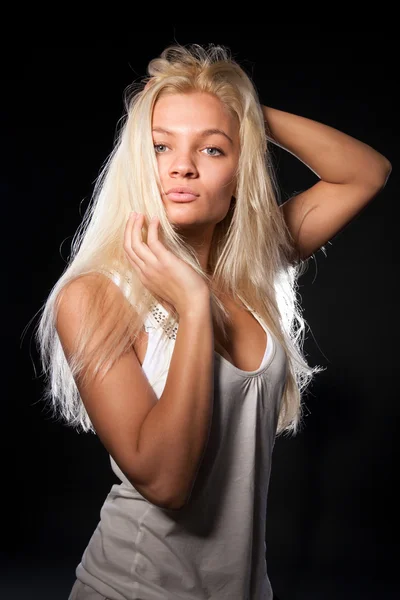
(183, 166)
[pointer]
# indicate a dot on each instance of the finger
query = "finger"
(132, 243)
(152, 237)
(131, 254)
(142, 251)
(128, 230)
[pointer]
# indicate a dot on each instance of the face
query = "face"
(192, 154)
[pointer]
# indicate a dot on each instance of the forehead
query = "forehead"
(194, 111)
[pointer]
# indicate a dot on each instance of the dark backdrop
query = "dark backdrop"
(332, 511)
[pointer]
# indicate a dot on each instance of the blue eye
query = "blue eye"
(213, 148)
(215, 151)
(158, 146)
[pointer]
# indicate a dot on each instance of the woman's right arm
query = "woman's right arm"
(157, 444)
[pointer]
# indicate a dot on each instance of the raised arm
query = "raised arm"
(351, 174)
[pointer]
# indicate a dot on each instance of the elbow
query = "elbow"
(175, 506)
(384, 173)
(157, 495)
(175, 501)
(170, 504)
(179, 497)
(378, 176)
(167, 500)
(388, 170)
(176, 492)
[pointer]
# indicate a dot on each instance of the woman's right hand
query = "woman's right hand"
(160, 271)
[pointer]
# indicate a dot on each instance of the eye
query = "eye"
(220, 152)
(157, 146)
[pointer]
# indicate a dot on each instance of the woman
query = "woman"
(178, 339)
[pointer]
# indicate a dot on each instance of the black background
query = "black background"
(332, 510)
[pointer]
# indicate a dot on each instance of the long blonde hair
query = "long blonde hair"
(252, 255)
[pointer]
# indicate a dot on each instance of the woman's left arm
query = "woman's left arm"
(351, 174)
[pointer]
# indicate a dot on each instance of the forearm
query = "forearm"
(333, 155)
(175, 432)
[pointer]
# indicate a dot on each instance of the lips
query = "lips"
(180, 197)
(182, 189)
(182, 194)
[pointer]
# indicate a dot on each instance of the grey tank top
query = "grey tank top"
(214, 547)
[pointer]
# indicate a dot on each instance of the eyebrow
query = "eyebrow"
(204, 133)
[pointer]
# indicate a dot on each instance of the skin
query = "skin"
(205, 163)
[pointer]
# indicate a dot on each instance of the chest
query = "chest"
(245, 344)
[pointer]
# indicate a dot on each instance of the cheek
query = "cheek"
(227, 183)
(160, 165)
(222, 177)
(162, 171)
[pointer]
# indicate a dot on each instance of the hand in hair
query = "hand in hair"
(159, 270)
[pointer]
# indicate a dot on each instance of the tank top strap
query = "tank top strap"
(159, 349)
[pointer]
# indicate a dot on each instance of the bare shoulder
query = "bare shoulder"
(83, 288)
(76, 300)
(84, 285)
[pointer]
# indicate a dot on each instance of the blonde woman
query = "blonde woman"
(175, 333)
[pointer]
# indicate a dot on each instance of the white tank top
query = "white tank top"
(214, 547)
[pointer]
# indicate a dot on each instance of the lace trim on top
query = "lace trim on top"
(160, 315)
